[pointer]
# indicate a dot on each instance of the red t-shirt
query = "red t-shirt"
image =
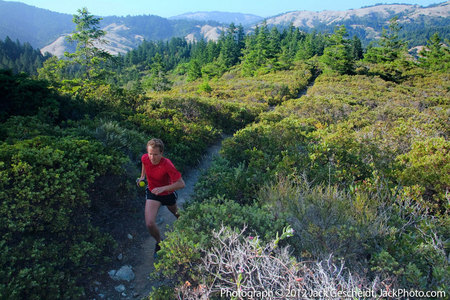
(164, 173)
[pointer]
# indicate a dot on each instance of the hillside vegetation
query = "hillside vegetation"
(342, 188)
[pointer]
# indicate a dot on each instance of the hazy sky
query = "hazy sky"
(168, 8)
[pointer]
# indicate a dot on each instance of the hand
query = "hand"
(139, 180)
(158, 190)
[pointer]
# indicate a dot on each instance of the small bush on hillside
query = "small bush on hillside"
(49, 247)
(427, 165)
(182, 248)
(377, 230)
(239, 265)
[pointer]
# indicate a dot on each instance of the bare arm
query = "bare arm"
(177, 185)
(142, 175)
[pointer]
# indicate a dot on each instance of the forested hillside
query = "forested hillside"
(20, 57)
(46, 29)
(336, 178)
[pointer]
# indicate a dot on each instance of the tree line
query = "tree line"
(20, 57)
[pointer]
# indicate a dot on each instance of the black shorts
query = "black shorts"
(167, 200)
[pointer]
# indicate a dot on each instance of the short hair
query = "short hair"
(156, 143)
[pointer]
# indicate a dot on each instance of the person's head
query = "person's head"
(155, 150)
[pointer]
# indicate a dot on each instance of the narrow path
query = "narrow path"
(139, 253)
(143, 283)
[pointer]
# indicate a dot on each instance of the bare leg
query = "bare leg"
(174, 209)
(151, 210)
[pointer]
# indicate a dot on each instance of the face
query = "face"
(154, 154)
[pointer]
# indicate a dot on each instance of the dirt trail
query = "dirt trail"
(142, 283)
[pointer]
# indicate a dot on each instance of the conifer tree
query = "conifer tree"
(194, 70)
(229, 51)
(88, 36)
(157, 81)
(86, 66)
(357, 49)
(256, 52)
(289, 46)
(338, 55)
(391, 47)
(389, 60)
(435, 55)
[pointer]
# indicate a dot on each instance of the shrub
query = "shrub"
(427, 165)
(240, 266)
(49, 247)
(181, 250)
(325, 219)
(378, 231)
(205, 87)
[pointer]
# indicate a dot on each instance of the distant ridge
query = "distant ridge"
(407, 13)
(221, 17)
(46, 30)
(30, 24)
(368, 22)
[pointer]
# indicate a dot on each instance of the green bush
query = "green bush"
(205, 87)
(185, 140)
(427, 165)
(49, 246)
(181, 250)
(325, 219)
(375, 230)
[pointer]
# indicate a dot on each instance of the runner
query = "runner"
(163, 180)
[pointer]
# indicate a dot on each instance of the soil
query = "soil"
(136, 246)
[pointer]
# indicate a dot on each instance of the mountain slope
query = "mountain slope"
(221, 17)
(31, 24)
(45, 29)
(367, 22)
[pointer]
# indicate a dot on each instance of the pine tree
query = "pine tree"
(87, 36)
(338, 56)
(194, 70)
(290, 45)
(389, 60)
(357, 49)
(391, 47)
(256, 52)
(313, 44)
(229, 51)
(157, 81)
(435, 55)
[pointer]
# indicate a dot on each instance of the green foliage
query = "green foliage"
(338, 55)
(185, 138)
(192, 232)
(49, 246)
(435, 55)
(391, 46)
(19, 57)
(254, 156)
(157, 81)
(205, 87)
(389, 59)
(427, 165)
(313, 44)
(354, 165)
(194, 70)
(20, 95)
(161, 293)
(371, 151)
(368, 227)
(325, 219)
(88, 60)
(87, 33)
